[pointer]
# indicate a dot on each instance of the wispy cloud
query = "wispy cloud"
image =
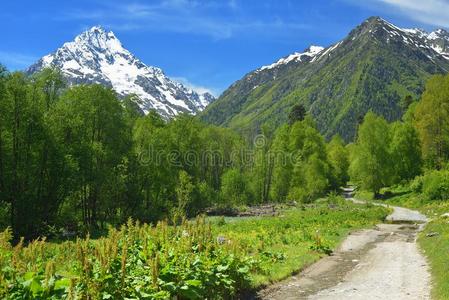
(185, 16)
(430, 12)
(16, 61)
(197, 88)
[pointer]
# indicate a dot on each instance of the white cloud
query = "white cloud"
(14, 60)
(197, 88)
(431, 12)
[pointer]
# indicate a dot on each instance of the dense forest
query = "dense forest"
(76, 159)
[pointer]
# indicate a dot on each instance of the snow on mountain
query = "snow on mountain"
(97, 56)
(437, 41)
(309, 53)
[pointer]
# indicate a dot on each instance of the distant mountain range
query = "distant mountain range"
(373, 68)
(97, 56)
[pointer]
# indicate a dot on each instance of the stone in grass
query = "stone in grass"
(221, 240)
(446, 215)
(432, 234)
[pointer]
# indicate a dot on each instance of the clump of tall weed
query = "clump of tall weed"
(137, 261)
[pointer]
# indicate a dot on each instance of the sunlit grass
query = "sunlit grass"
(216, 256)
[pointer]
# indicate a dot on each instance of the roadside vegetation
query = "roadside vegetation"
(415, 176)
(216, 258)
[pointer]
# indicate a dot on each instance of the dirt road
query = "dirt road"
(379, 263)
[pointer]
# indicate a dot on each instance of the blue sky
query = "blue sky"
(207, 44)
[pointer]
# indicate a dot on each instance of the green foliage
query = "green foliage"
(302, 169)
(234, 188)
(261, 170)
(385, 154)
(405, 149)
(184, 192)
(406, 102)
(138, 262)
(195, 260)
(297, 113)
(335, 200)
(89, 122)
(283, 164)
(32, 165)
(311, 174)
(436, 252)
(339, 160)
(371, 165)
(435, 185)
(76, 159)
(432, 121)
(416, 185)
(310, 179)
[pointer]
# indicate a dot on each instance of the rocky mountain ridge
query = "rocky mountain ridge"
(97, 56)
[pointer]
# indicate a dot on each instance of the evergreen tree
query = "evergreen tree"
(406, 102)
(297, 113)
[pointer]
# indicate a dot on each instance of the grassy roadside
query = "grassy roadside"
(286, 244)
(194, 260)
(434, 239)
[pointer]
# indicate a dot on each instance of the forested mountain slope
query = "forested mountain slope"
(373, 68)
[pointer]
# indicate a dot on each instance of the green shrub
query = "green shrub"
(416, 185)
(435, 185)
(335, 200)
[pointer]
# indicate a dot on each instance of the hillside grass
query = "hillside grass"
(433, 240)
(207, 257)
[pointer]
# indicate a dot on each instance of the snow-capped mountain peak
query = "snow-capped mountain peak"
(433, 45)
(99, 38)
(97, 56)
